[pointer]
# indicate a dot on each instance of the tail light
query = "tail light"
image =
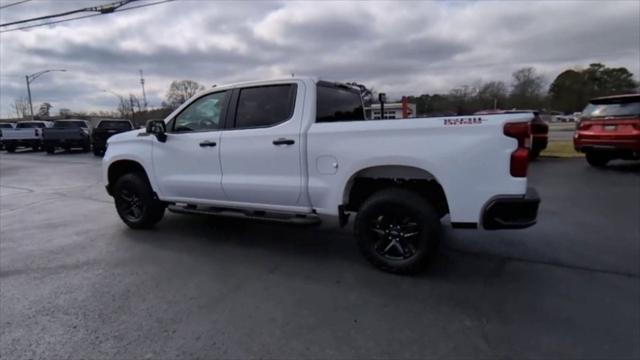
(519, 157)
(583, 126)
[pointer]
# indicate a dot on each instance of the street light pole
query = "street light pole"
(29, 92)
(30, 79)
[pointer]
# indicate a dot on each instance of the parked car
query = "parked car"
(4, 126)
(569, 117)
(609, 129)
(25, 134)
(539, 128)
(104, 130)
(68, 134)
(301, 150)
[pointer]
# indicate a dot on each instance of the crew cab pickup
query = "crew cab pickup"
(67, 134)
(106, 129)
(25, 134)
(301, 150)
(609, 129)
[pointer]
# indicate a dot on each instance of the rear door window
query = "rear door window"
(69, 124)
(115, 125)
(30, 125)
(265, 106)
(338, 103)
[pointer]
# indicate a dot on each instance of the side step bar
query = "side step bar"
(298, 219)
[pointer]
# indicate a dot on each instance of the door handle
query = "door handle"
(208, 143)
(283, 141)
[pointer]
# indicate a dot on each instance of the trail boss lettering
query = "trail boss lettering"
(463, 121)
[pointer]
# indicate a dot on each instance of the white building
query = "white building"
(391, 111)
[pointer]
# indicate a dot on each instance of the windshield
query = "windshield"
(29, 125)
(112, 124)
(6, 126)
(69, 124)
(612, 109)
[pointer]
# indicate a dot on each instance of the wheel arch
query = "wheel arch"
(121, 167)
(366, 181)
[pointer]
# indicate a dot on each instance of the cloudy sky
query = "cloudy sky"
(397, 47)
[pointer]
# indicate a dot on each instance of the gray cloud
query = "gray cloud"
(400, 48)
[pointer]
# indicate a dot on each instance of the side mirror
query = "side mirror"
(157, 128)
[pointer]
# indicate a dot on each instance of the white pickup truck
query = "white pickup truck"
(301, 150)
(25, 134)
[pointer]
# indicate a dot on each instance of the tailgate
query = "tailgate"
(20, 134)
(64, 134)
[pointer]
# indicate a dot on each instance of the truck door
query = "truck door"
(187, 165)
(261, 152)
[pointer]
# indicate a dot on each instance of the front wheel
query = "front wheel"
(136, 203)
(398, 230)
(10, 148)
(597, 160)
(50, 149)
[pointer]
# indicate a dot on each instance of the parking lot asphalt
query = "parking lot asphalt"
(75, 282)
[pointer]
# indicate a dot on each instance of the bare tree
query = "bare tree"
(526, 89)
(180, 91)
(43, 112)
(21, 107)
(492, 95)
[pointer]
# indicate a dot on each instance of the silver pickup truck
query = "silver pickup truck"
(25, 134)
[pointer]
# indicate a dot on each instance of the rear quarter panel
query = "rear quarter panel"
(470, 161)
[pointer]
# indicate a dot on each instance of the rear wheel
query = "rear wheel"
(597, 159)
(50, 149)
(398, 230)
(136, 203)
(96, 151)
(86, 147)
(10, 148)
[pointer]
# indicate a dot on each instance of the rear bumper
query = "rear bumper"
(585, 142)
(511, 212)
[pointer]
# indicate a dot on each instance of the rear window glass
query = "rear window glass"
(613, 108)
(337, 103)
(118, 125)
(265, 105)
(30, 125)
(69, 124)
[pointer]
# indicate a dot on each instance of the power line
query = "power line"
(103, 9)
(85, 16)
(13, 4)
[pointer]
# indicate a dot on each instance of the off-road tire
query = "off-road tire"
(134, 188)
(373, 233)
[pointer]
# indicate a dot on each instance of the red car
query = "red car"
(609, 129)
(539, 129)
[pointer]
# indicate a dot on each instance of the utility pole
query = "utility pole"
(144, 94)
